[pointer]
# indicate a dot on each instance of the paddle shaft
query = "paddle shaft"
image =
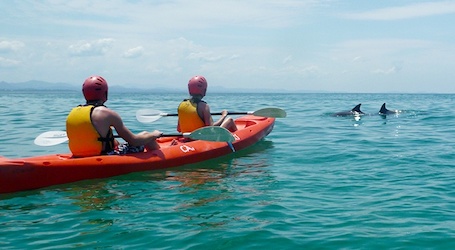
(150, 115)
(166, 135)
(163, 135)
(208, 133)
(229, 113)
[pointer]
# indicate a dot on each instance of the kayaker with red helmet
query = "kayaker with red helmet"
(194, 113)
(89, 126)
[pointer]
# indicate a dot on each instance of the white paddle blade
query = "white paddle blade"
(148, 115)
(51, 138)
(270, 112)
(211, 133)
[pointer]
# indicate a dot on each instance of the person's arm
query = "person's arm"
(178, 126)
(222, 118)
(208, 120)
(139, 139)
(107, 118)
(204, 112)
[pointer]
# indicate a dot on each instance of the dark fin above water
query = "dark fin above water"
(357, 108)
(355, 111)
(385, 111)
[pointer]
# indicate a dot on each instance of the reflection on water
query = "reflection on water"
(213, 185)
(204, 195)
(194, 180)
(213, 171)
(95, 195)
(321, 184)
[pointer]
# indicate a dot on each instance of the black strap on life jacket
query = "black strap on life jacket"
(109, 139)
(109, 142)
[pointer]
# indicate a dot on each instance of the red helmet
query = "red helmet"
(95, 89)
(197, 85)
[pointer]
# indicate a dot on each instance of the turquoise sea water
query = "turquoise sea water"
(316, 182)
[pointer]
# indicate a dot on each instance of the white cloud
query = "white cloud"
(406, 12)
(363, 50)
(205, 56)
(264, 41)
(94, 48)
(299, 70)
(311, 69)
(358, 59)
(287, 59)
(134, 52)
(391, 70)
(6, 63)
(10, 45)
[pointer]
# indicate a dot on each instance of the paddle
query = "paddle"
(150, 115)
(209, 133)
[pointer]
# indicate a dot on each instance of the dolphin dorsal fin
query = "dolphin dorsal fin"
(383, 109)
(357, 108)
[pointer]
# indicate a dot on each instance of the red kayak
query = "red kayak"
(43, 171)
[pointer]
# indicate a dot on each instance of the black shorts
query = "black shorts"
(126, 149)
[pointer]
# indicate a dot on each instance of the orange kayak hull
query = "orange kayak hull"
(42, 171)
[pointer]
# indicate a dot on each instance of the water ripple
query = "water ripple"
(317, 181)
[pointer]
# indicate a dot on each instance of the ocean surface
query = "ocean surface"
(316, 182)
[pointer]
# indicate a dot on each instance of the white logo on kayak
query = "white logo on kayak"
(186, 149)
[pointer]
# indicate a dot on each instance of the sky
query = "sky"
(284, 45)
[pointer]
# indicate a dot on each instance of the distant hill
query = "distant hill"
(36, 85)
(48, 86)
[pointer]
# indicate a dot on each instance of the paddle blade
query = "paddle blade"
(51, 138)
(148, 115)
(211, 133)
(270, 112)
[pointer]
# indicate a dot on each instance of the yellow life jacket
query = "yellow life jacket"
(189, 118)
(84, 139)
